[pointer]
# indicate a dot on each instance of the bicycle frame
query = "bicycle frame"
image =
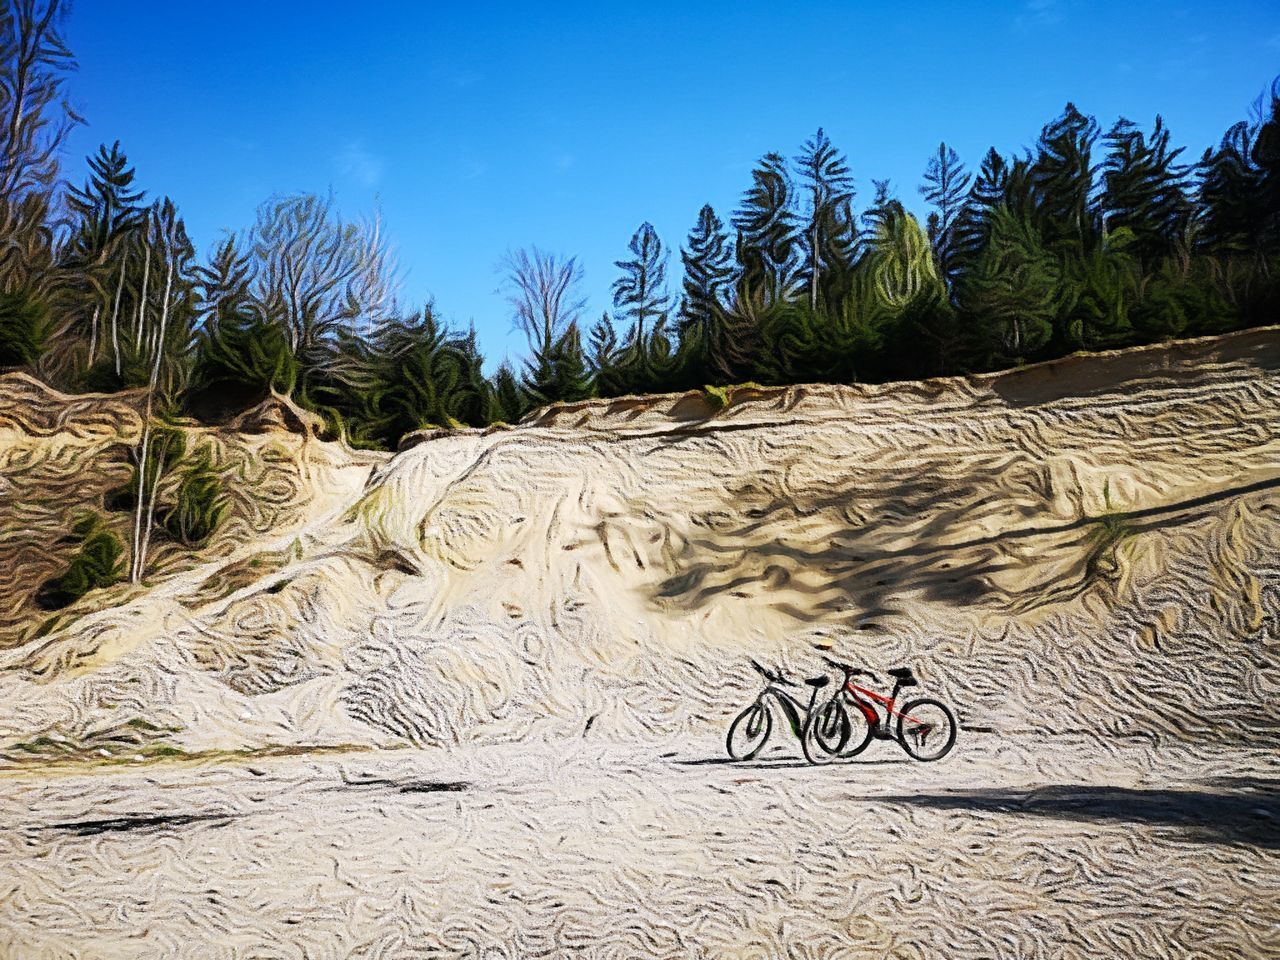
(879, 731)
(792, 708)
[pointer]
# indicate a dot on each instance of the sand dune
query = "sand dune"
(1083, 544)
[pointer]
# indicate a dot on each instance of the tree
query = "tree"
(640, 295)
(317, 275)
(559, 373)
(1062, 181)
(766, 234)
(106, 208)
(708, 268)
(24, 329)
(543, 291)
(946, 188)
(34, 62)
(827, 241)
(1144, 190)
(1011, 293)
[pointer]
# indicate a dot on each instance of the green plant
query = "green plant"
(717, 398)
(97, 564)
(24, 328)
(199, 505)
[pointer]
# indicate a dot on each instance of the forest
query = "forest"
(1093, 238)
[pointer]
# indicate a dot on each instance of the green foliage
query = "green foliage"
(1012, 291)
(639, 294)
(1085, 242)
(560, 373)
(95, 565)
(826, 240)
(199, 504)
(166, 448)
(239, 362)
(24, 328)
(717, 398)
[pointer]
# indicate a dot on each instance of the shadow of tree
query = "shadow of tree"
(1247, 813)
(843, 564)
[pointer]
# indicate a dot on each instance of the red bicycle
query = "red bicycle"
(925, 728)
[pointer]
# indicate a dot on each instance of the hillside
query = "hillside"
(1083, 544)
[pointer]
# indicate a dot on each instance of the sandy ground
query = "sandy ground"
(1063, 847)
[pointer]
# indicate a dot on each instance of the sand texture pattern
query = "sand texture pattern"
(470, 699)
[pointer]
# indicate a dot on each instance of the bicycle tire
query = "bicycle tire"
(826, 732)
(857, 741)
(759, 723)
(950, 740)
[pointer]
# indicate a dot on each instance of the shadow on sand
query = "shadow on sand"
(1243, 810)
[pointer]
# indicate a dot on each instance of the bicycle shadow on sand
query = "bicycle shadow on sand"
(1244, 811)
(781, 763)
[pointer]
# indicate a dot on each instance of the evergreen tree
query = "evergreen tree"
(508, 401)
(1062, 182)
(708, 269)
(766, 234)
(1011, 293)
(559, 374)
(946, 188)
(639, 295)
(106, 208)
(1145, 191)
(826, 243)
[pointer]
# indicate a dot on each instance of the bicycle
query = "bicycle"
(755, 724)
(925, 729)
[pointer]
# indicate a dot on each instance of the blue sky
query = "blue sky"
(487, 126)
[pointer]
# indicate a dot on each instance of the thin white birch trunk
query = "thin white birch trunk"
(141, 535)
(142, 301)
(115, 313)
(93, 336)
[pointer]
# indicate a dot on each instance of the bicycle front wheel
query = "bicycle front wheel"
(749, 732)
(927, 729)
(826, 732)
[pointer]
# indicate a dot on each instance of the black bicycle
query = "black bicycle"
(751, 729)
(843, 727)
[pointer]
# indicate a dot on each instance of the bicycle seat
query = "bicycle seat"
(900, 673)
(817, 681)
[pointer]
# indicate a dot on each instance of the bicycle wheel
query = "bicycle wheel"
(826, 731)
(749, 732)
(860, 733)
(927, 729)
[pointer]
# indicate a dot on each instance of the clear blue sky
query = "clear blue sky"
(486, 126)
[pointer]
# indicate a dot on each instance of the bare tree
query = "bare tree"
(33, 63)
(543, 291)
(316, 274)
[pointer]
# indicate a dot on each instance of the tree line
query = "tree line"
(1089, 239)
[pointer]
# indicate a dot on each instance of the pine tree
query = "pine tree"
(559, 374)
(708, 268)
(508, 401)
(765, 223)
(1062, 182)
(1145, 191)
(106, 208)
(826, 243)
(639, 295)
(1011, 293)
(946, 188)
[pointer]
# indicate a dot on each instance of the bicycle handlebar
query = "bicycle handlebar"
(771, 676)
(849, 671)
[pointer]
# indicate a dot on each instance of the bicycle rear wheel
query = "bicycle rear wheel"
(749, 732)
(927, 729)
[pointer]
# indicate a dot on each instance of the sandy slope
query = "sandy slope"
(552, 622)
(1088, 543)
